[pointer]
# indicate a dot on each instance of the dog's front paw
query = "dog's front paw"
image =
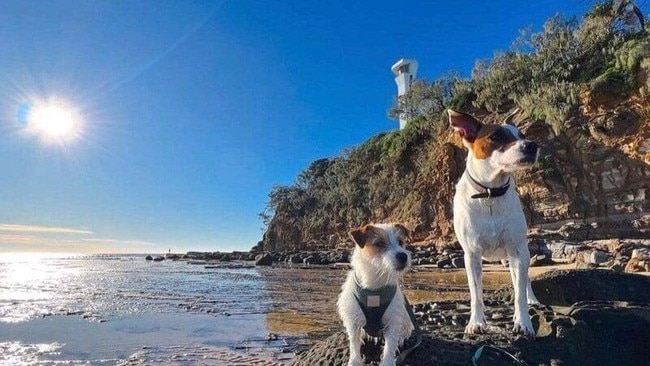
(474, 327)
(524, 328)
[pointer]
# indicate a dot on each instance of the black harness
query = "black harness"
(374, 303)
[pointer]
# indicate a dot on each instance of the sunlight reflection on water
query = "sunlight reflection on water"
(105, 286)
(109, 290)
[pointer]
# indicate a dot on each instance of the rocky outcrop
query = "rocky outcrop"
(607, 331)
(592, 124)
(220, 256)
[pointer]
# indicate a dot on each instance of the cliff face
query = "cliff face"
(589, 111)
(597, 168)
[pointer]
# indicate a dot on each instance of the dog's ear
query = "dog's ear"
(359, 236)
(465, 124)
(510, 118)
(406, 233)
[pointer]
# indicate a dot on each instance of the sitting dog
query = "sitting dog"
(488, 217)
(371, 303)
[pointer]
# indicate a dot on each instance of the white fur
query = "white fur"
(494, 234)
(372, 273)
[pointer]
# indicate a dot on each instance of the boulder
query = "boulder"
(148, 258)
(637, 265)
(458, 262)
(443, 261)
(264, 259)
(540, 260)
(598, 257)
(566, 287)
(295, 259)
(641, 253)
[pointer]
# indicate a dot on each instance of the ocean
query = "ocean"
(120, 309)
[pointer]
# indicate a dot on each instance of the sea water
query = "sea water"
(121, 309)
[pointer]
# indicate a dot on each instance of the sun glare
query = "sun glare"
(52, 121)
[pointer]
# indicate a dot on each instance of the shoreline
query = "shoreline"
(301, 311)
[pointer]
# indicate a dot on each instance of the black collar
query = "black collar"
(487, 192)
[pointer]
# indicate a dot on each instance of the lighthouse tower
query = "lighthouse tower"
(404, 71)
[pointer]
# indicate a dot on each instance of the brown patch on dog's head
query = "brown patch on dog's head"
(403, 234)
(370, 239)
(374, 240)
(492, 138)
(482, 139)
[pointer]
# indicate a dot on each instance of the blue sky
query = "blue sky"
(187, 113)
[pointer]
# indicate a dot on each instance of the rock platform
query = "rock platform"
(591, 317)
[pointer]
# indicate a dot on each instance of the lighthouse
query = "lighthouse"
(404, 71)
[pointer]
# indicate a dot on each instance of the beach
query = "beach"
(121, 309)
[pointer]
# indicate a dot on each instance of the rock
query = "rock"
(641, 253)
(637, 265)
(566, 287)
(148, 258)
(586, 265)
(159, 259)
(600, 332)
(443, 261)
(618, 265)
(591, 258)
(458, 262)
(538, 246)
(563, 249)
(540, 260)
(598, 257)
(642, 224)
(575, 231)
(295, 259)
(265, 259)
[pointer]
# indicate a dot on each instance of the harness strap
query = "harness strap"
(373, 303)
(418, 333)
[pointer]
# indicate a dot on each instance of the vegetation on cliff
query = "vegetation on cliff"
(583, 93)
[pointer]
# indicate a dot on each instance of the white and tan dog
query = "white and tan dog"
(488, 217)
(371, 303)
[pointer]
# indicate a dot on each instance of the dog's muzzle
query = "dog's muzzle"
(402, 261)
(530, 150)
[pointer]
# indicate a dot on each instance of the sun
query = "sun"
(53, 121)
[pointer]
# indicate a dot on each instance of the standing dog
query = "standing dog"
(488, 217)
(371, 303)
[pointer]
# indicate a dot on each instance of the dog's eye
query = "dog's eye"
(380, 244)
(497, 136)
(400, 242)
(521, 136)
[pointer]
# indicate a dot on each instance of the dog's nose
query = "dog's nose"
(402, 258)
(530, 147)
